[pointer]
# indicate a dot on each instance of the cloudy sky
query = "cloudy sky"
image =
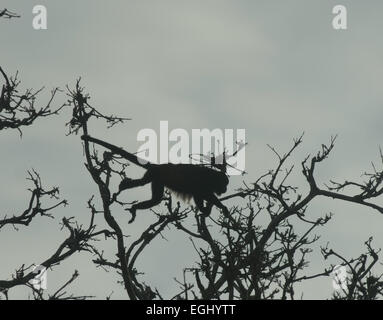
(274, 68)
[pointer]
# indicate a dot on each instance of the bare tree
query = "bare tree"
(17, 111)
(5, 13)
(240, 257)
(255, 253)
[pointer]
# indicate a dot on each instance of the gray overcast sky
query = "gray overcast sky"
(274, 68)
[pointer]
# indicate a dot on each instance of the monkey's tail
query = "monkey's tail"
(127, 155)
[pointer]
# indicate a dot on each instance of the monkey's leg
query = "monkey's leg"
(128, 183)
(213, 200)
(199, 203)
(157, 196)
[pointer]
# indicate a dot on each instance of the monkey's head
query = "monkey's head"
(220, 183)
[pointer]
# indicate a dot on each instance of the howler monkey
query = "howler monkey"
(190, 181)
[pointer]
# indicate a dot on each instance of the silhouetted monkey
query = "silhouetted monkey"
(188, 180)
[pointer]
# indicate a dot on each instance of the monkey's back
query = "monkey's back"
(187, 179)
